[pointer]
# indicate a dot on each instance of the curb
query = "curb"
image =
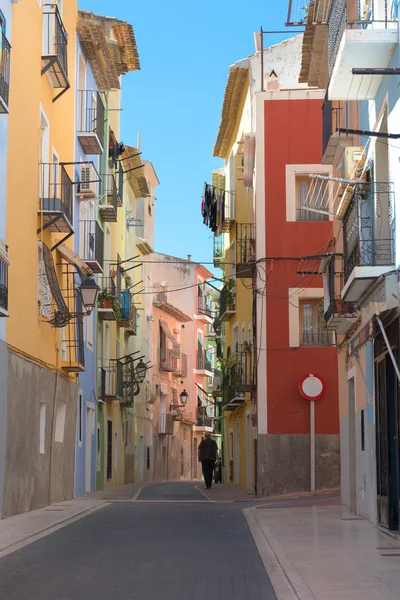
(29, 539)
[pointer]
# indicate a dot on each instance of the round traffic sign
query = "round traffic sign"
(312, 387)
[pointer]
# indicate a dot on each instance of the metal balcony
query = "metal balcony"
(109, 302)
(218, 251)
(111, 381)
(227, 304)
(72, 346)
(3, 286)
(55, 48)
(108, 210)
(228, 212)
(166, 424)
(333, 144)
(5, 54)
(204, 314)
(92, 237)
(202, 420)
(90, 126)
(56, 198)
(128, 312)
(368, 238)
(245, 250)
(366, 41)
(203, 365)
(340, 316)
(167, 361)
(181, 366)
(317, 338)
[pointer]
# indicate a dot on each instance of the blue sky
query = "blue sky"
(175, 101)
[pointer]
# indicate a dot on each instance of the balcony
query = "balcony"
(55, 48)
(202, 420)
(90, 126)
(339, 316)
(227, 302)
(3, 281)
(228, 211)
(92, 237)
(367, 42)
(109, 301)
(333, 144)
(314, 68)
(181, 366)
(108, 210)
(245, 250)
(240, 377)
(217, 384)
(167, 362)
(317, 338)
(368, 238)
(111, 381)
(203, 365)
(218, 251)
(128, 313)
(204, 314)
(56, 198)
(166, 424)
(72, 345)
(5, 53)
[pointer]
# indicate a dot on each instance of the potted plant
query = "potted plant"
(163, 363)
(117, 309)
(230, 294)
(105, 299)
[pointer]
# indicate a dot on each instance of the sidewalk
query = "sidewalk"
(316, 549)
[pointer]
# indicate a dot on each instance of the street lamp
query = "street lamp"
(89, 290)
(141, 369)
(183, 396)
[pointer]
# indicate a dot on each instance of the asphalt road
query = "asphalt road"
(146, 551)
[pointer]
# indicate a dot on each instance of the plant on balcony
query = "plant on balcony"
(230, 287)
(117, 309)
(105, 299)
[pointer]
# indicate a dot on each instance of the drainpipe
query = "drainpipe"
(385, 337)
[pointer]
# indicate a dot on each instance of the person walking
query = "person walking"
(208, 454)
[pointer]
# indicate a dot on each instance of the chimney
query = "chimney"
(138, 142)
(189, 257)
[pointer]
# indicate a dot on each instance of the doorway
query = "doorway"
(248, 453)
(141, 458)
(387, 429)
(237, 454)
(109, 449)
(88, 453)
(352, 445)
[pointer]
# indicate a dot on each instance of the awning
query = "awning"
(176, 348)
(71, 257)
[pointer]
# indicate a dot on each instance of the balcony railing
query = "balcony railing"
(368, 228)
(218, 250)
(202, 363)
(340, 315)
(111, 381)
(227, 303)
(92, 237)
(202, 420)
(56, 197)
(166, 424)
(317, 338)
(3, 287)
(203, 307)
(167, 361)
(55, 47)
(5, 52)
(90, 126)
(73, 345)
(181, 365)
(332, 119)
(108, 209)
(302, 214)
(126, 309)
(245, 249)
(109, 300)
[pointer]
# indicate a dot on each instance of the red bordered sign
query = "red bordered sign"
(312, 387)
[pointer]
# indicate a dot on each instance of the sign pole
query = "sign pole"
(312, 444)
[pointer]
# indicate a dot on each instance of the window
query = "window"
(42, 428)
(80, 419)
(312, 326)
(313, 193)
(148, 458)
(115, 451)
(362, 431)
(60, 421)
(109, 449)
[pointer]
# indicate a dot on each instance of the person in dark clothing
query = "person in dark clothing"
(208, 454)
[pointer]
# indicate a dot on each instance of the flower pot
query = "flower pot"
(113, 272)
(105, 303)
(230, 307)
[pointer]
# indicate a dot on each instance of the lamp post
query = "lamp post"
(183, 396)
(141, 369)
(89, 290)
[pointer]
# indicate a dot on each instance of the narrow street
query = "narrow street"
(173, 543)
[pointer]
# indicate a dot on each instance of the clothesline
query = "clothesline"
(218, 188)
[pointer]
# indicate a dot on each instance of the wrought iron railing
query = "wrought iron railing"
(227, 301)
(167, 360)
(5, 53)
(55, 37)
(3, 285)
(203, 363)
(331, 120)
(302, 214)
(368, 227)
(166, 424)
(218, 249)
(56, 190)
(111, 190)
(317, 338)
(203, 307)
(336, 283)
(111, 380)
(181, 365)
(91, 114)
(93, 241)
(202, 420)
(245, 243)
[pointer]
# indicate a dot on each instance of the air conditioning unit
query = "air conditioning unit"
(88, 182)
(353, 162)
